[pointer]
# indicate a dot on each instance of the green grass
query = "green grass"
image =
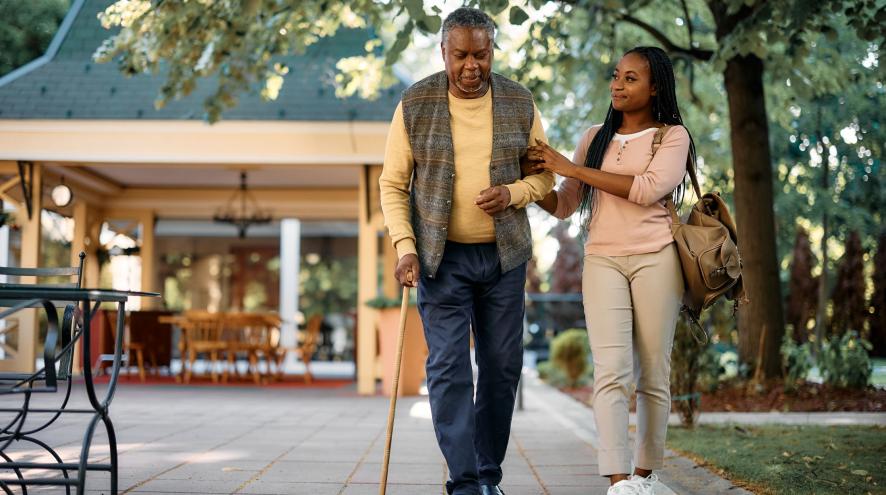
(801, 460)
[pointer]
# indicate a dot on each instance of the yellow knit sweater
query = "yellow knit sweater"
(471, 127)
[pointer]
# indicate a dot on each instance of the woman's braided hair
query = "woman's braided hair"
(664, 110)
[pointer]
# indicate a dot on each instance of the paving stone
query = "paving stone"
(317, 442)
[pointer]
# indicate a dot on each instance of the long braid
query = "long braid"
(664, 110)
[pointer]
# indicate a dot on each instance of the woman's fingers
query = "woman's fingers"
(542, 155)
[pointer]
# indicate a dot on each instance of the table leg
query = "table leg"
(182, 352)
(102, 409)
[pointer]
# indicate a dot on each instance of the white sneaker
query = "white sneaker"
(645, 484)
(625, 487)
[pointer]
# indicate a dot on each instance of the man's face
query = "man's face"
(467, 53)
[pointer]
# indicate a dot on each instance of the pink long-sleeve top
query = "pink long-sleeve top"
(641, 223)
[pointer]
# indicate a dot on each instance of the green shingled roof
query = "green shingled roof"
(71, 86)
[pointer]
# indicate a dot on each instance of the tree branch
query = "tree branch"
(696, 53)
(688, 22)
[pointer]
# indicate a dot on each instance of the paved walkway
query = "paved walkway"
(178, 439)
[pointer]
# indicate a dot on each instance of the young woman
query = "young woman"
(632, 282)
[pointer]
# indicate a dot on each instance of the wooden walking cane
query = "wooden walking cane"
(390, 432)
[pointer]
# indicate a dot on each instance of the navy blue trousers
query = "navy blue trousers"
(470, 293)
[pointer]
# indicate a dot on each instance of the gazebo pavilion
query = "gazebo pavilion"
(312, 159)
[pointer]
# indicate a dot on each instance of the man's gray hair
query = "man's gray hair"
(467, 17)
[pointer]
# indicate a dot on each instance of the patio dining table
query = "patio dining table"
(225, 332)
(18, 297)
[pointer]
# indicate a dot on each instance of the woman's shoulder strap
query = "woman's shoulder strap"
(659, 136)
(656, 143)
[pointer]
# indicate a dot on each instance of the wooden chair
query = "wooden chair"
(109, 317)
(305, 348)
(149, 339)
(203, 335)
(256, 335)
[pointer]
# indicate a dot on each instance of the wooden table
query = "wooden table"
(228, 334)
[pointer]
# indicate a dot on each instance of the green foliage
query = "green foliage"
(824, 81)
(383, 302)
(569, 354)
(688, 360)
(518, 16)
(26, 29)
(827, 144)
(8, 218)
(238, 41)
(551, 374)
(327, 285)
(877, 320)
(801, 305)
(555, 377)
(844, 362)
(796, 359)
(698, 367)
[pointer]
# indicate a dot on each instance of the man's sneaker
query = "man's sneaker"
(645, 484)
(625, 487)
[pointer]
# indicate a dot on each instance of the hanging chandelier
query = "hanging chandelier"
(242, 210)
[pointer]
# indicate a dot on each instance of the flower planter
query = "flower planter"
(415, 350)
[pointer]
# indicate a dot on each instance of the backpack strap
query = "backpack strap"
(656, 143)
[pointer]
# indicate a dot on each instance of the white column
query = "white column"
(290, 250)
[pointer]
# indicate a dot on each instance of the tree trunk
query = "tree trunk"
(821, 313)
(762, 317)
(878, 300)
(800, 307)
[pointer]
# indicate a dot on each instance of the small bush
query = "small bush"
(844, 361)
(715, 363)
(689, 360)
(569, 353)
(552, 374)
(796, 360)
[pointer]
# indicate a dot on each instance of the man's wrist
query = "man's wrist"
(513, 198)
(404, 247)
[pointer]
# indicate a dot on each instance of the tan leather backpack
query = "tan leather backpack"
(707, 242)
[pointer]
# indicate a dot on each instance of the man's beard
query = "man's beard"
(479, 88)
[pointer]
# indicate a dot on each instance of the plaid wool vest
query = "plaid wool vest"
(426, 117)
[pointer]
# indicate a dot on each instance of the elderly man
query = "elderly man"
(453, 201)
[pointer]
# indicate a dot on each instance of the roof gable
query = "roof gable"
(69, 85)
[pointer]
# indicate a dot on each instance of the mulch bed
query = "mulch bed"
(810, 397)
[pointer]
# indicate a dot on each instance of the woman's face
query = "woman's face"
(631, 86)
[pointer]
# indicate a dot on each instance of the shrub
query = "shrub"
(844, 361)
(698, 367)
(796, 359)
(800, 307)
(688, 358)
(552, 374)
(847, 299)
(569, 353)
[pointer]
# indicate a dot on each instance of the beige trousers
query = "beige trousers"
(631, 307)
